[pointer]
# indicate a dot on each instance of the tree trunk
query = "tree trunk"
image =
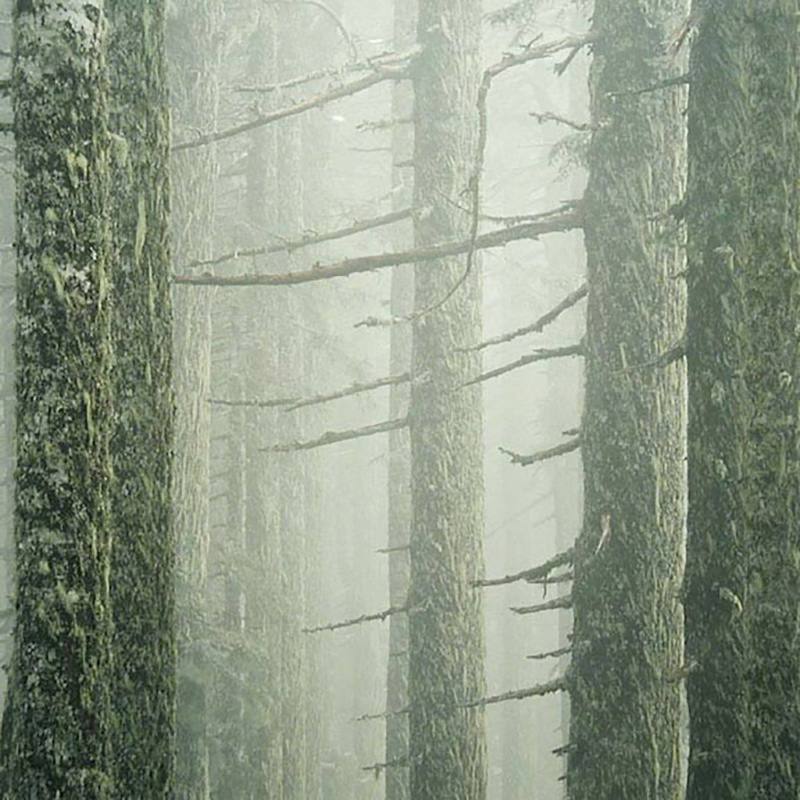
(143, 554)
(447, 753)
(399, 477)
(195, 55)
(288, 200)
(624, 680)
(743, 572)
(57, 724)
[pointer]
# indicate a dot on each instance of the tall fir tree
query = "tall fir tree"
(627, 649)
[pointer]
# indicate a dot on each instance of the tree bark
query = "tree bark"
(628, 620)
(447, 753)
(58, 720)
(143, 554)
(195, 54)
(743, 573)
(399, 478)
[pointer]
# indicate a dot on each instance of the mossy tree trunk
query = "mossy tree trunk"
(624, 683)
(57, 723)
(194, 49)
(447, 753)
(142, 565)
(743, 567)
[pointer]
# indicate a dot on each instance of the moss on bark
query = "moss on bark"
(628, 622)
(743, 572)
(57, 723)
(143, 556)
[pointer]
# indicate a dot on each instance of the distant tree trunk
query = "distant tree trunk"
(624, 682)
(143, 554)
(264, 590)
(399, 478)
(195, 54)
(57, 724)
(447, 752)
(743, 569)
(288, 200)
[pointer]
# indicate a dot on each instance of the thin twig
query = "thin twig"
(356, 388)
(558, 685)
(573, 298)
(353, 266)
(367, 65)
(563, 651)
(549, 116)
(543, 455)
(680, 80)
(389, 550)
(381, 616)
(378, 768)
(309, 240)
(278, 403)
(534, 573)
(335, 437)
(382, 715)
(550, 605)
(542, 354)
(381, 74)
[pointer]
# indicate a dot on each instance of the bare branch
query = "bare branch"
(670, 356)
(368, 65)
(531, 53)
(378, 768)
(550, 605)
(383, 715)
(379, 75)
(354, 266)
(548, 116)
(389, 550)
(543, 455)
(680, 80)
(278, 403)
(573, 298)
(373, 126)
(539, 355)
(558, 685)
(534, 573)
(334, 437)
(563, 651)
(564, 577)
(356, 388)
(295, 403)
(381, 616)
(528, 53)
(290, 245)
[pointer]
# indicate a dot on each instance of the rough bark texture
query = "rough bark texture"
(743, 578)
(628, 635)
(7, 391)
(399, 477)
(143, 554)
(57, 724)
(446, 651)
(194, 47)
